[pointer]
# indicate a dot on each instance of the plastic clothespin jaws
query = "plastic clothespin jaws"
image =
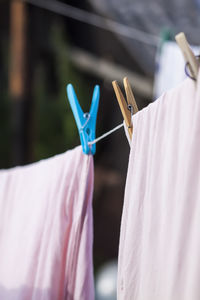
(86, 122)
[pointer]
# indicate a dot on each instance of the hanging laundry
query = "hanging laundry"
(46, 230)
(159, 240)
(170, 66)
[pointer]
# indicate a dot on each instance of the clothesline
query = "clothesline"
(100, 22)
(106, 134)
(97, 21)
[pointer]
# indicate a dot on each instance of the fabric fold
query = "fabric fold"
(46, 229)
(159, 239)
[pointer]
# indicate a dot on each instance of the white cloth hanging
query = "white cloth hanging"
(160, 240)
(46, 230)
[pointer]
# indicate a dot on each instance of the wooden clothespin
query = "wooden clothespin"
(188, 54)
(129, 107)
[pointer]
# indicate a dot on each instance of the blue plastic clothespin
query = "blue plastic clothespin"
(86, 122)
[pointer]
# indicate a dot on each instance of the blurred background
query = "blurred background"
(46, 44)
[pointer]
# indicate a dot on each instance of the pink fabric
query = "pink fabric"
(159, 253)
(46, 229)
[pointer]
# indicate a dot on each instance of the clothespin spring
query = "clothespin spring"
(130, 107)
(187, 72)
(87, 116)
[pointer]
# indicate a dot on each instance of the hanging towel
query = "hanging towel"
(170, 66)
(159, 252)
(46, 229)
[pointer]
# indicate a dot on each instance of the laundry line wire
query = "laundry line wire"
(100, 22)
(96, 20)
(106, 134)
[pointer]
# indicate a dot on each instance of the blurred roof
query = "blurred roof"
(151, 17)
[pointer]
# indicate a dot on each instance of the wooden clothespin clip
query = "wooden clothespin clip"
(188, 54)
(129, 107)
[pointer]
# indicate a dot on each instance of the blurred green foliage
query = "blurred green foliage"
(55, 128)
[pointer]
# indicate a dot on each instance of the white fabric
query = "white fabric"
(46, 229)
(159, 252)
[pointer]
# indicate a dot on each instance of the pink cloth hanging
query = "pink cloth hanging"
(46, 229)
(159, 252)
